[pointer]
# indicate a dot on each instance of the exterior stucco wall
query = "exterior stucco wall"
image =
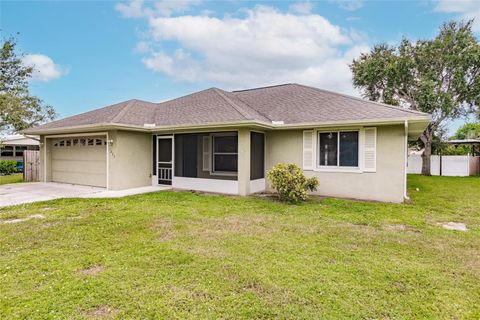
(130, 159)
(45, 155)
(386, 184)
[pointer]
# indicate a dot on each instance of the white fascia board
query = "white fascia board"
(256, 124)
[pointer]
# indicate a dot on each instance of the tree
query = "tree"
(469, 130)
(18, 109)
(439, 76)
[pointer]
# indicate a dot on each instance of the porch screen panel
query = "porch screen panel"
(191, 152)
(257, 155)
(225, 152)
(189, 162)
(186, 155)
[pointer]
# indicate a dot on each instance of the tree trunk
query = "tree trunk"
(427, 139)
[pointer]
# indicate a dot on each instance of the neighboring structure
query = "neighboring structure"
(449, 165)
(474, 144)
(12, 148)
(219, 141)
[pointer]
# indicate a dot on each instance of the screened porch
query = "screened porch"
(231, 162)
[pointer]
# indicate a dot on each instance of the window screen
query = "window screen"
(338, 149)
(257, 156)
(225, 153)
(349, 149)
(328, 148)
(164, 150)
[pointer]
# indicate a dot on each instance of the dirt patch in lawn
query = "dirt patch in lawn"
(101, 312)
(91, 271)
(457, 226)
(164, 228)
(214, 228)
(400, 227)
(17, 220)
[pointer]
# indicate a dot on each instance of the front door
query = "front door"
(164, 160)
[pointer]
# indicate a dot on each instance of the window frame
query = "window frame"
(18, 148)
(10, 150)
(80, 141)
(338, 168)
(213, 153)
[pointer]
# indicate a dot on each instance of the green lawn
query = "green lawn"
(13, 178)
(185, 255)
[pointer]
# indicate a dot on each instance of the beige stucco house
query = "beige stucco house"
(220, 141)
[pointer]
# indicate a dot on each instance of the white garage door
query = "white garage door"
(79, 160)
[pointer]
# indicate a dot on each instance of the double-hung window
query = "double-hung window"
(225, 153)
(7, 151)
(338, 149)
(19, 150)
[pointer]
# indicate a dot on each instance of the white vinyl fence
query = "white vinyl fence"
(460, 166)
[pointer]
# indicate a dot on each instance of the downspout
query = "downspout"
(405, 195)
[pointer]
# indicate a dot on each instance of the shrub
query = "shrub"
(290, 182)
(8, 167)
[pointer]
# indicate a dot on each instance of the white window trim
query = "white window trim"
(338, 168)
(213, 153)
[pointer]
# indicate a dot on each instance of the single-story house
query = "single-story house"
(12, 148)
(221, 141)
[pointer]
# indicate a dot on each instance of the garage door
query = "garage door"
(79, 160)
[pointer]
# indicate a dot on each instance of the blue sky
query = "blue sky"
(94, 53)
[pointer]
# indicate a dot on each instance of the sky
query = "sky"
(89, 54)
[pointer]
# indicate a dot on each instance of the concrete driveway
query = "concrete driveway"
(20, 193)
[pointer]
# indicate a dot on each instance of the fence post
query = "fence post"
(440, 154)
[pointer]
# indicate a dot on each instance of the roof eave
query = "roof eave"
(115, 126)
(363, 122)
(422, 120)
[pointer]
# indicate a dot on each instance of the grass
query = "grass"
(187, 255)
(13, 178)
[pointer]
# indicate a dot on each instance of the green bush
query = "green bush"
(290, 182)
(8, 167)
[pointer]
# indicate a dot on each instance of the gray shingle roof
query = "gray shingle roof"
(290, 103)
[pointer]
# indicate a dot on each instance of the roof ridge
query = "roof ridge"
(258, 112)
(233, 104)
(265, 87)
(360, 99)
(124, 110)
(181, 97)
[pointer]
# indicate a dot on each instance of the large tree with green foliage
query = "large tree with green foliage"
(470, 130)
(18, 108)
(439, 76)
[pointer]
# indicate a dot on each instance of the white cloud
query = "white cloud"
(44, 69)
(142, 47)
(350, 5)
(134, 9)
(264, 46)
(138, 8)
(301, 7)
(467, 9)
